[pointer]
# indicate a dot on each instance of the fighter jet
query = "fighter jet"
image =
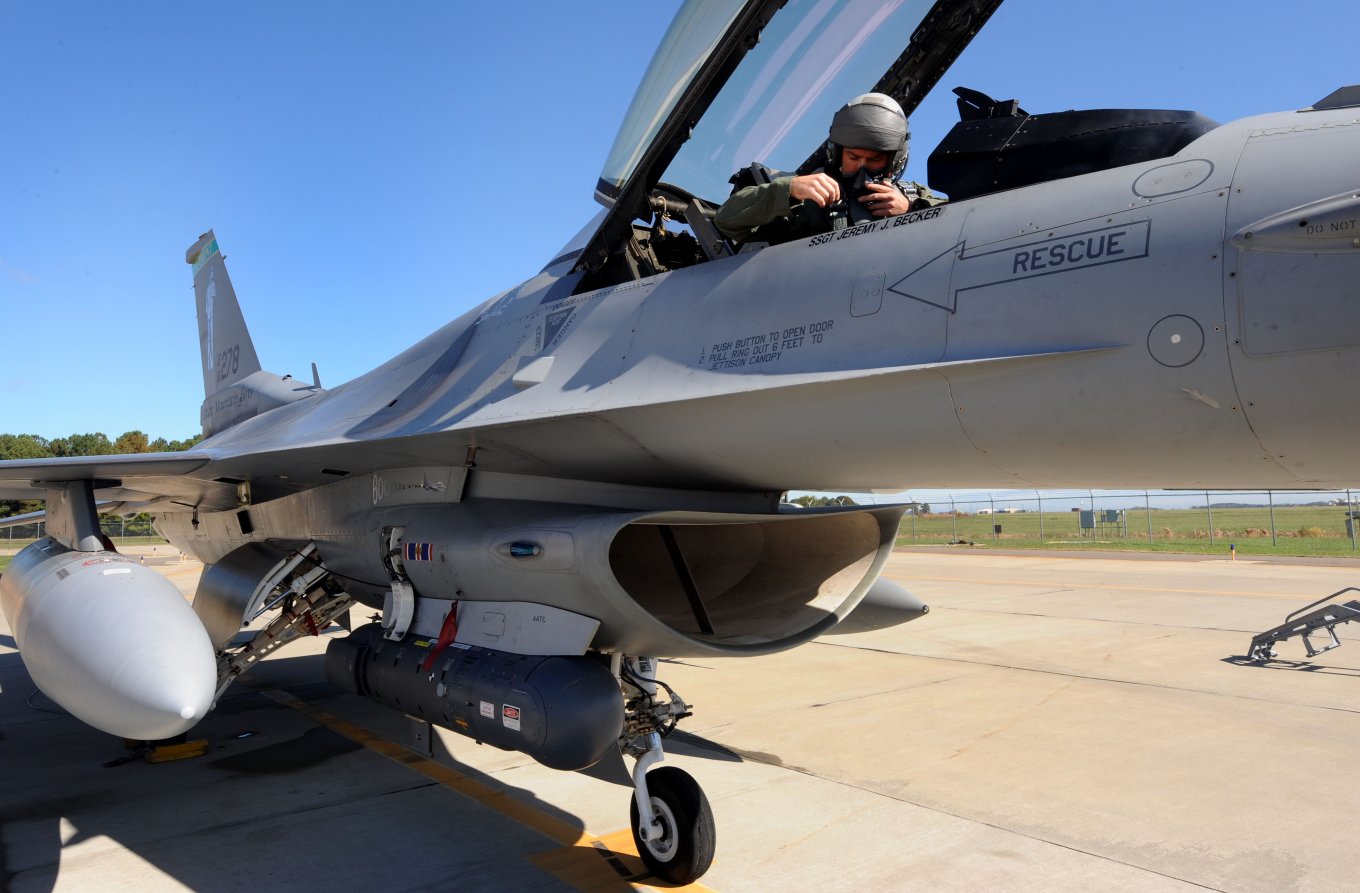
(584, 474)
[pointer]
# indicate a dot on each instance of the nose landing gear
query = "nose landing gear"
(670, 816)
(681, 849)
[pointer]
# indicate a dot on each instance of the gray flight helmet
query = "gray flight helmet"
(871, 121)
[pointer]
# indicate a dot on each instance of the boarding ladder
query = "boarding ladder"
(1313, 619)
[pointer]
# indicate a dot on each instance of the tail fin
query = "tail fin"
(235, 388)
(228, 353)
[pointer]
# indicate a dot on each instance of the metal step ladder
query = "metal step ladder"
(1313, 619)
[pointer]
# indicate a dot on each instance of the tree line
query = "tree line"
(31, 446)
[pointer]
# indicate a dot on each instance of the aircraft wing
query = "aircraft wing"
(151, 478)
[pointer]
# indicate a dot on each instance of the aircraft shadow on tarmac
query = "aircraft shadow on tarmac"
(270, 771)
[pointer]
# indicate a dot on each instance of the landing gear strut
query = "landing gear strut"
(671, 819)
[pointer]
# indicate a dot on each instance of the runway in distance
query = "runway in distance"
(584, 473)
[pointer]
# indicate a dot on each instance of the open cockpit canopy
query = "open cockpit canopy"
(735, 82)
(776, 104)
(742, 81)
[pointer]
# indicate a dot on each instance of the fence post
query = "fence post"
(1147, 510)
(1350, 512)
(1209, 507)
(1041, 515)
(954, 516)
(1270, 494)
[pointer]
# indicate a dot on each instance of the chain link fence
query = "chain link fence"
(1300, 522)
(133, 530)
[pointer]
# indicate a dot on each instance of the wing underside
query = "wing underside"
(148, 480)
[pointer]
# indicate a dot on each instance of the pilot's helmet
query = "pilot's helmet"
(872, 121)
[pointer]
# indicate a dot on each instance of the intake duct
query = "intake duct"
(661, 583)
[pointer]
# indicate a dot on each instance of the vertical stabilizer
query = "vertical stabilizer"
(235, 388)
(227, 351)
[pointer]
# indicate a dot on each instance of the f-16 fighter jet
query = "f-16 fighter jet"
(584, 474)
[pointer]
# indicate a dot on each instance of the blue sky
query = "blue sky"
(371, 172)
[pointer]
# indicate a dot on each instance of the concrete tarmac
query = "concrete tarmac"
(1057, 722)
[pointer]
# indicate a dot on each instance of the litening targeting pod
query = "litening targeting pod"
(110, 640)
(566, 712)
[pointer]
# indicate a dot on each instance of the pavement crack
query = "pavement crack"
(1093, 678)
(1121, 622)
(876, 694)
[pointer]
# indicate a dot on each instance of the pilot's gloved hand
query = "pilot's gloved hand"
(819, 188)
(885, 200)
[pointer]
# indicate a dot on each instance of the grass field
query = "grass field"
(1299, 530)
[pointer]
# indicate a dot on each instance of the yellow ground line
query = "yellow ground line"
(590, 864)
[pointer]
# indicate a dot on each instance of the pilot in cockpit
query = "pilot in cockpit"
(854, 181)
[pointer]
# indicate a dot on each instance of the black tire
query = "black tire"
(686, 848)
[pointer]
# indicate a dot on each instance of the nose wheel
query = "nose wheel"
(683, 849)
(670, 816)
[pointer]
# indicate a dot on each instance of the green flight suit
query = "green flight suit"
(765, 212)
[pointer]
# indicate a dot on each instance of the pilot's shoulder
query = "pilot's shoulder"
(920, 194)
(756, 174)
(753, 205)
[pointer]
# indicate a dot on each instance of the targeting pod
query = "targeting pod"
(565, 712)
